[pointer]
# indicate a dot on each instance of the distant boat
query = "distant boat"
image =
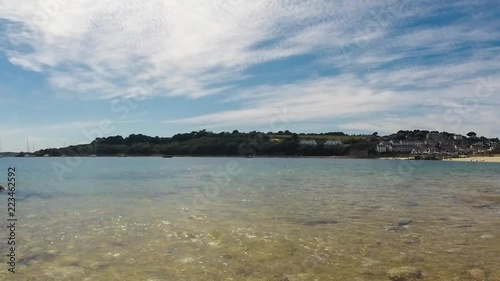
(46, 155)
(63, 155)
(249, 155)
(93, 155)
(167, 156)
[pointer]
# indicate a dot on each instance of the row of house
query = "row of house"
(403, 146)
(434, 143)
(432, 147)
(481, 147)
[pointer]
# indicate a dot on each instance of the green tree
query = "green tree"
(471, 135)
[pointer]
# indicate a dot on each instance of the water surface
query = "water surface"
(253, 219)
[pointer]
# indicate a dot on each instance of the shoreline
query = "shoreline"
(486, 159)
(197, 156)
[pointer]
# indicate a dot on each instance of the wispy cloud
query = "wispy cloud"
(303, 100)
(176, 48)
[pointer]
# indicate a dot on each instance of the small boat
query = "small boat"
(46, 155)
(167, 156)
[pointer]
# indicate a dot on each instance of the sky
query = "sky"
(74, 70)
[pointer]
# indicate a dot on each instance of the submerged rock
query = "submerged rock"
(400, 225)
(320, 222)
(404, 273)
(403, 222)
(298, 277)
(187, 260)
(35, 258)
(409, 258)
(477, 274)
(462, 226)
(487, 206)
(64, 273)
(453, 250)
(412, 204)
(398, 228)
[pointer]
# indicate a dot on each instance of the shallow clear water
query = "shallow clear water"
(252, 219)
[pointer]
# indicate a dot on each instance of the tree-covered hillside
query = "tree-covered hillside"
(205, 143)
(282, 143)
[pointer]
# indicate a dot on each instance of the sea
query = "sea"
(282, 219)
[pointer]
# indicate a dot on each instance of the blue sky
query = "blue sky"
(74, 70)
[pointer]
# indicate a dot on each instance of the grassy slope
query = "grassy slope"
(320, 137)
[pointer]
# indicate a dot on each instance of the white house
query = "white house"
(430, 150)
(307, 142)
(381, 148)
(333, 142)
(458, 137)
(477, 145)
(401, 148)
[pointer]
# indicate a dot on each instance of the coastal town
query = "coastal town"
(423, 143)
(440, 143)
(405, 144)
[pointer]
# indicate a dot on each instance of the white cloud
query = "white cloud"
(468, 102)
(305, 100)
(185, 48)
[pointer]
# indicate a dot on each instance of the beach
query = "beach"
(490, 159)
(495, 159)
